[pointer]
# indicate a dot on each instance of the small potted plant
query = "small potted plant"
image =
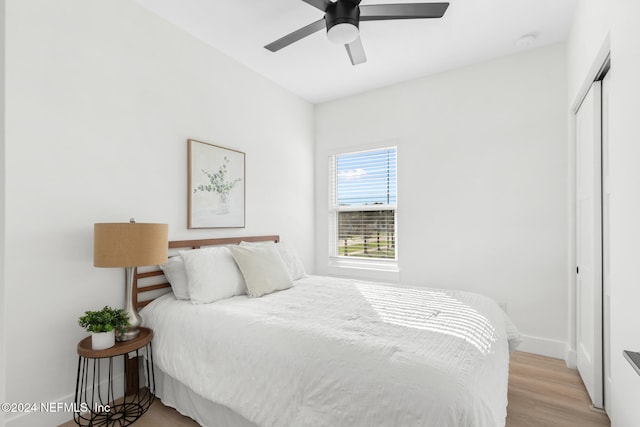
(102, 325)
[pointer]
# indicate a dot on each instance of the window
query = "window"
(363, 204)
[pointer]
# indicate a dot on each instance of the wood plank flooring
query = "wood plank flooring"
(543, 392)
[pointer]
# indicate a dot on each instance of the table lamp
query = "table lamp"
(129, 245)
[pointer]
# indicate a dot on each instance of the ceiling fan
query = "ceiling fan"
(342, 19)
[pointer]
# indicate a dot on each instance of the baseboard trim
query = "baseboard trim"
(57, 415)
(43, 418)
(543, 347)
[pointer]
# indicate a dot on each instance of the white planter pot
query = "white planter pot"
(102, 340)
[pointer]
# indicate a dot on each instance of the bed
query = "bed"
(331, 352)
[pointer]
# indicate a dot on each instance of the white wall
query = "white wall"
(2, 212)
(625, 210)
(597, 21)
(101, 98)
(589, 34)
(482, 182)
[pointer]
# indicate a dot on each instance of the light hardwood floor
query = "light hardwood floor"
(543, 392)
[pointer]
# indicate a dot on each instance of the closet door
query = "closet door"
(589, 244)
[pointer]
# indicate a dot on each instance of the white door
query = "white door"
(589, 244)
(606, 277)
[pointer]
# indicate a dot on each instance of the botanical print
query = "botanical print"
(219, 185)
(216, 186)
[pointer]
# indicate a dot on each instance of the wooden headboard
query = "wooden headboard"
(149, 283)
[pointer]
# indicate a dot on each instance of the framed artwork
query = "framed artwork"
(216, 186)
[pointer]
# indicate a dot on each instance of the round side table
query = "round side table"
(96, 403)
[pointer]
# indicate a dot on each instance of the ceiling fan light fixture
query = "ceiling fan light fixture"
(342, 19)
(343, 33)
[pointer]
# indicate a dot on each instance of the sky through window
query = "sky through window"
(367, 178)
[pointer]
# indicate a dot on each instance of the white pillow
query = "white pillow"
(212, 274)
(262, 268)
(291, 259)
(173, 270)
(288, 254)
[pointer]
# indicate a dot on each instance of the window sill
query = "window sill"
(364, 269)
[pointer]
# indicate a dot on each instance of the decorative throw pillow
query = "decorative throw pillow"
(263, 269)
(288, 254)
(173, 270)
(212, 274)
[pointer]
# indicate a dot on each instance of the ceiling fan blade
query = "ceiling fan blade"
(383, 12)
(319, 4)
(356, 52)
(296, 35)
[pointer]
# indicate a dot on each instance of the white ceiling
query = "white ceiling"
(471, 31)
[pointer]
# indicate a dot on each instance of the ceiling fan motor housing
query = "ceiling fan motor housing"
(343, 12)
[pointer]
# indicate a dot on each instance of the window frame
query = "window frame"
(357, 262)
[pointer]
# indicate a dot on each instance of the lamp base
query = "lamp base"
(135, 321)
(127, 335)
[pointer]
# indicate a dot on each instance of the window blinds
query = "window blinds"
(364, 201)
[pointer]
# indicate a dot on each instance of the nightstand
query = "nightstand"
(97, 403)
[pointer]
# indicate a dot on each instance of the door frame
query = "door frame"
(600, 67)
(599, 63)
(606, 270)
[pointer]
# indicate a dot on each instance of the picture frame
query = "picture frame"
(216, 186)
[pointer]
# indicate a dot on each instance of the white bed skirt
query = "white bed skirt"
(175, 394)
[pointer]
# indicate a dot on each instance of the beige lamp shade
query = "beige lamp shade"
(130, 244)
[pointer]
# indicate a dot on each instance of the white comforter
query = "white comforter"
(339, 352)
